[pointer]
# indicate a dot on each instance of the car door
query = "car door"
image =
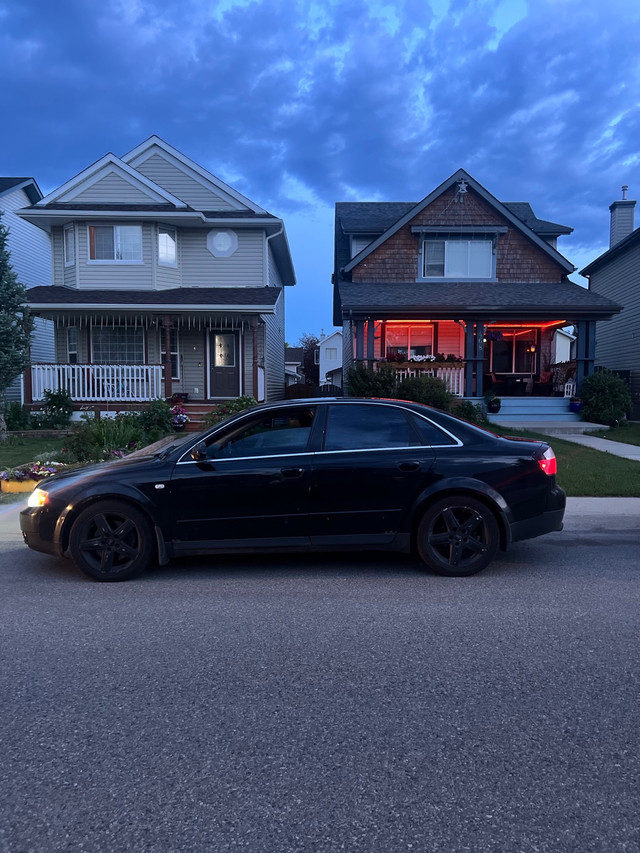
(249, 488)
(372, 466)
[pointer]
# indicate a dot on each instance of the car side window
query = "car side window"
(430, 433)
(281, 432)
(367, 427)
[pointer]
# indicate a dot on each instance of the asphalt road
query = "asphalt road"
(313, 703)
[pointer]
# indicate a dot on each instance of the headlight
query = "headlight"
(38, 497)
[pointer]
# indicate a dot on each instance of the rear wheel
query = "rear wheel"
(458, 536)
(112, 541)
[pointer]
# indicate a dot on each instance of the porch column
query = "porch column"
(479, 363)
(371, 330)
(585, 351)
(168, 385)
(469, 348)
(27, 382)
(359, 340)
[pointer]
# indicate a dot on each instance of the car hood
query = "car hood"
(100, 469)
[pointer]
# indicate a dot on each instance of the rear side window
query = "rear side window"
(368, 427)
(431, 434)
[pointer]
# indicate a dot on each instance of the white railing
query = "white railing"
(92, 382)
(452, 376)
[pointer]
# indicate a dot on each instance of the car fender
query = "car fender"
(470, 486)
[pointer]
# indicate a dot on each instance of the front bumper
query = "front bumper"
(38, 530)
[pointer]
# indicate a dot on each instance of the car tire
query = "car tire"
(458, 536)
(112, 541)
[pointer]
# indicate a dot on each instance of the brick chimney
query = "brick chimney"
(622, 213)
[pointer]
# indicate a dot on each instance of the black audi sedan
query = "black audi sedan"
(313, 474)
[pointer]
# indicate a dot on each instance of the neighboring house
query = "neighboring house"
(464, 276)
(330, 359)
(293, 357)
(616, 274)
(30, 250)
(165, 280)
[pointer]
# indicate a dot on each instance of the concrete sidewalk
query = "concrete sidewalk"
(616, 448)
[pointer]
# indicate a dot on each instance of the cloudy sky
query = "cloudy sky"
(302, 103)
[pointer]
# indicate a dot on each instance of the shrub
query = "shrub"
(467, 410)
(426, 389)
(156, 419)
(606, 398)
(231, 407)
(56, 411)
(17, 417)
(365, 382)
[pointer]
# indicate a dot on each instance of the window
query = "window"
(69, 246)
(118, 243)
(224, 352)
(117, 345)
(331, 353)
(367, 428)
(457, 259)
(222, 244)
(284, 432)
(358, 243)
(409, 341)
(72, 344)
(175, 354)
(167, 245)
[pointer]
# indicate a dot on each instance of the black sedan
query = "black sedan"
(310, 474)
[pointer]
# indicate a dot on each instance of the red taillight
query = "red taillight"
(549, 463)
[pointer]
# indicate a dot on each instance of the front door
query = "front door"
(224, 371)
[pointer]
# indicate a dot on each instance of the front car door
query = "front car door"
(250, 487)
(373, 465)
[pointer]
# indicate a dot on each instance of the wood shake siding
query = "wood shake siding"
(113, 189)
(398, 258)
(201, 269)
(188, 189)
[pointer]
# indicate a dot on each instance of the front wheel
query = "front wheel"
(112, 541)
(458, 536)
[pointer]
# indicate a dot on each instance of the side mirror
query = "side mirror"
(199, 452)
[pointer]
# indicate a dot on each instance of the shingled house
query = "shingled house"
(464, 277)
(165, 280)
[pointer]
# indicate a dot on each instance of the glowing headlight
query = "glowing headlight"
(38, 497)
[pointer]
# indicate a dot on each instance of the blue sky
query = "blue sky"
(299, 104)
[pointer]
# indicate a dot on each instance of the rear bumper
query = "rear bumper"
(547, 522)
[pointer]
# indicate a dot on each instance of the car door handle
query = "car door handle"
(408, 466)
(292, 472)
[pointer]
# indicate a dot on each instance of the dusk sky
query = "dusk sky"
(299, 104)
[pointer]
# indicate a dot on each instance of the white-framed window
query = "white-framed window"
(408, 341)
(167, 247)
(69, 246)
(175, 352)
(358, 243)
(117, 345)
(115, 244)
(331, 353)
(222, 244)
(72, 344)
(457, 259)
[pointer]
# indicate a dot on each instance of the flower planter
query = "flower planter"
(16, 486)
(493, 406)
(575, 407)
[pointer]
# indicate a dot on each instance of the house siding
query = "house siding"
(112, 189)
(398, 258)
(115, 276)
(618, 341)
(275, 279)
(274, 351)
(201, 269)
(181, 185)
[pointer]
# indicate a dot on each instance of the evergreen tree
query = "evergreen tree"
(15, 325)
(310, 367)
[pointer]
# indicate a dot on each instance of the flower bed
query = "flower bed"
(24, 478)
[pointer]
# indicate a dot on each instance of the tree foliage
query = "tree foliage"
(310, 368)
(15, 324)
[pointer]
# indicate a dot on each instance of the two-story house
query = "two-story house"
(463, 276)
(616, 274)
(165, 280)
(30, 250)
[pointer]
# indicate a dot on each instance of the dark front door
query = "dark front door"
(224, 365)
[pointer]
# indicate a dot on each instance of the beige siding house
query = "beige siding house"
(165, 281)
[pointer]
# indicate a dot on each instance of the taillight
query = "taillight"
(549, 463)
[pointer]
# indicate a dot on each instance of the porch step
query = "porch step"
(514, 410)
(552, 427)
(196, 412)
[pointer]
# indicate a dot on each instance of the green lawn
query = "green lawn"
(627, 433)
(20, 451)
(584, 472)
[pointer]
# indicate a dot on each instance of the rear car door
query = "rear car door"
(372, 466)
(251, 486)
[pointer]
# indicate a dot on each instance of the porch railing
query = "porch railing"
(452, 375)
(120, 383)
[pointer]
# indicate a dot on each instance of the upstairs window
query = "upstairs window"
(69, 246)
(167, 247)
(457, 259)
(115, 243)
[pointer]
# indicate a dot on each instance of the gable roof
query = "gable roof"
(29, 185)
(155, 144)
(413, 211)
(624, 244)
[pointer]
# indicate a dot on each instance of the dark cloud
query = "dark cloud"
(300, 104)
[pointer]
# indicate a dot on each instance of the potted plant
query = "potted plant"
(575, 404)
(492, 403)
(179, 418)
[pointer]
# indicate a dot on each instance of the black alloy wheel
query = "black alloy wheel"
(112, 541)
(458, 536)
